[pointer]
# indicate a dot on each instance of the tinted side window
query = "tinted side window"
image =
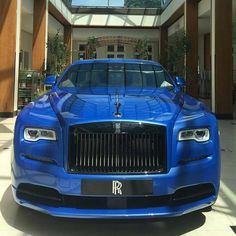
(83, 79)
(77, 76)
(84, 74)
(70, 78)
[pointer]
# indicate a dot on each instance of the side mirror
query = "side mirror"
(50, 80)
(180, 81)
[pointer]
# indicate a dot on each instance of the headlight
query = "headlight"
(35, 134)
(199, 135)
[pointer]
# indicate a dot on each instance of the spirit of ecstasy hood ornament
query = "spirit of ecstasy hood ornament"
(117, 113)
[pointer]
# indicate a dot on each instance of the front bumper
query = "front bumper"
(205, 171)
(118, 213)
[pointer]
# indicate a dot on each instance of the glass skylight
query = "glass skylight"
(101, 3)
(120, 3)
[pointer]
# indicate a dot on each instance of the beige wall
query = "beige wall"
(80, 36)
(129, 50)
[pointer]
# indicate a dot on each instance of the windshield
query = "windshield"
(113, 78)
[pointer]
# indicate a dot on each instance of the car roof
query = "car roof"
(105, 60)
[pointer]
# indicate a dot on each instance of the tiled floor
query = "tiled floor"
(19, 221)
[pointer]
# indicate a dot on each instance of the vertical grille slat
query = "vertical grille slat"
(131, 154)
(152, 150)
(81, 150)
(108, 151)
(100, 151)
(141, 139)
(145, 150)
(122, 151)
(76, 136)
(99, 148)
(96, 150)
(89, 148)
(117, 151)
(149, 151)
(126, 152)
(112, 152)
(138, 150)
(104, 150)
(85, 150)
(92, 152)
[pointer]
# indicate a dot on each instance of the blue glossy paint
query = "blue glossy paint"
(61, 108)
(50, 80)
(180, 81)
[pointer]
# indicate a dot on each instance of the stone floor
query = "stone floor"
(19, 221)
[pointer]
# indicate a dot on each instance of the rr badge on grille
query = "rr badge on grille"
(117, 128)
(116, 187)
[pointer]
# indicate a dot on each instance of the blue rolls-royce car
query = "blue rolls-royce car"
(116, 139)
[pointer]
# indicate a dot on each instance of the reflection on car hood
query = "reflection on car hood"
(70, 108)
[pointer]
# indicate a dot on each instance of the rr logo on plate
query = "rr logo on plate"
(116, 187)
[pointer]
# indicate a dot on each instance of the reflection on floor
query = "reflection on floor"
(19, 221)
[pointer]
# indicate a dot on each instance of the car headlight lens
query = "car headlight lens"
(199, 135)
(35, 134)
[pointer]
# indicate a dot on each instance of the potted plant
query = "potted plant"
(179, 46)
(141, 49)
(91, 48)
(58, 55)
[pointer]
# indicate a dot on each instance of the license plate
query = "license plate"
(116, 187)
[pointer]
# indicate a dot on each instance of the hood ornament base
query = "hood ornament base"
(117, 114)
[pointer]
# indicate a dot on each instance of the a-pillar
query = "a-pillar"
(9, 55)
(40, 31)
(222, 62)
(191, 29)
(68, 40)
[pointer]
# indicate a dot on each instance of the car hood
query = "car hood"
(72, 108)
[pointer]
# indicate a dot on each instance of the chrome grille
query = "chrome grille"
(117, 147)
